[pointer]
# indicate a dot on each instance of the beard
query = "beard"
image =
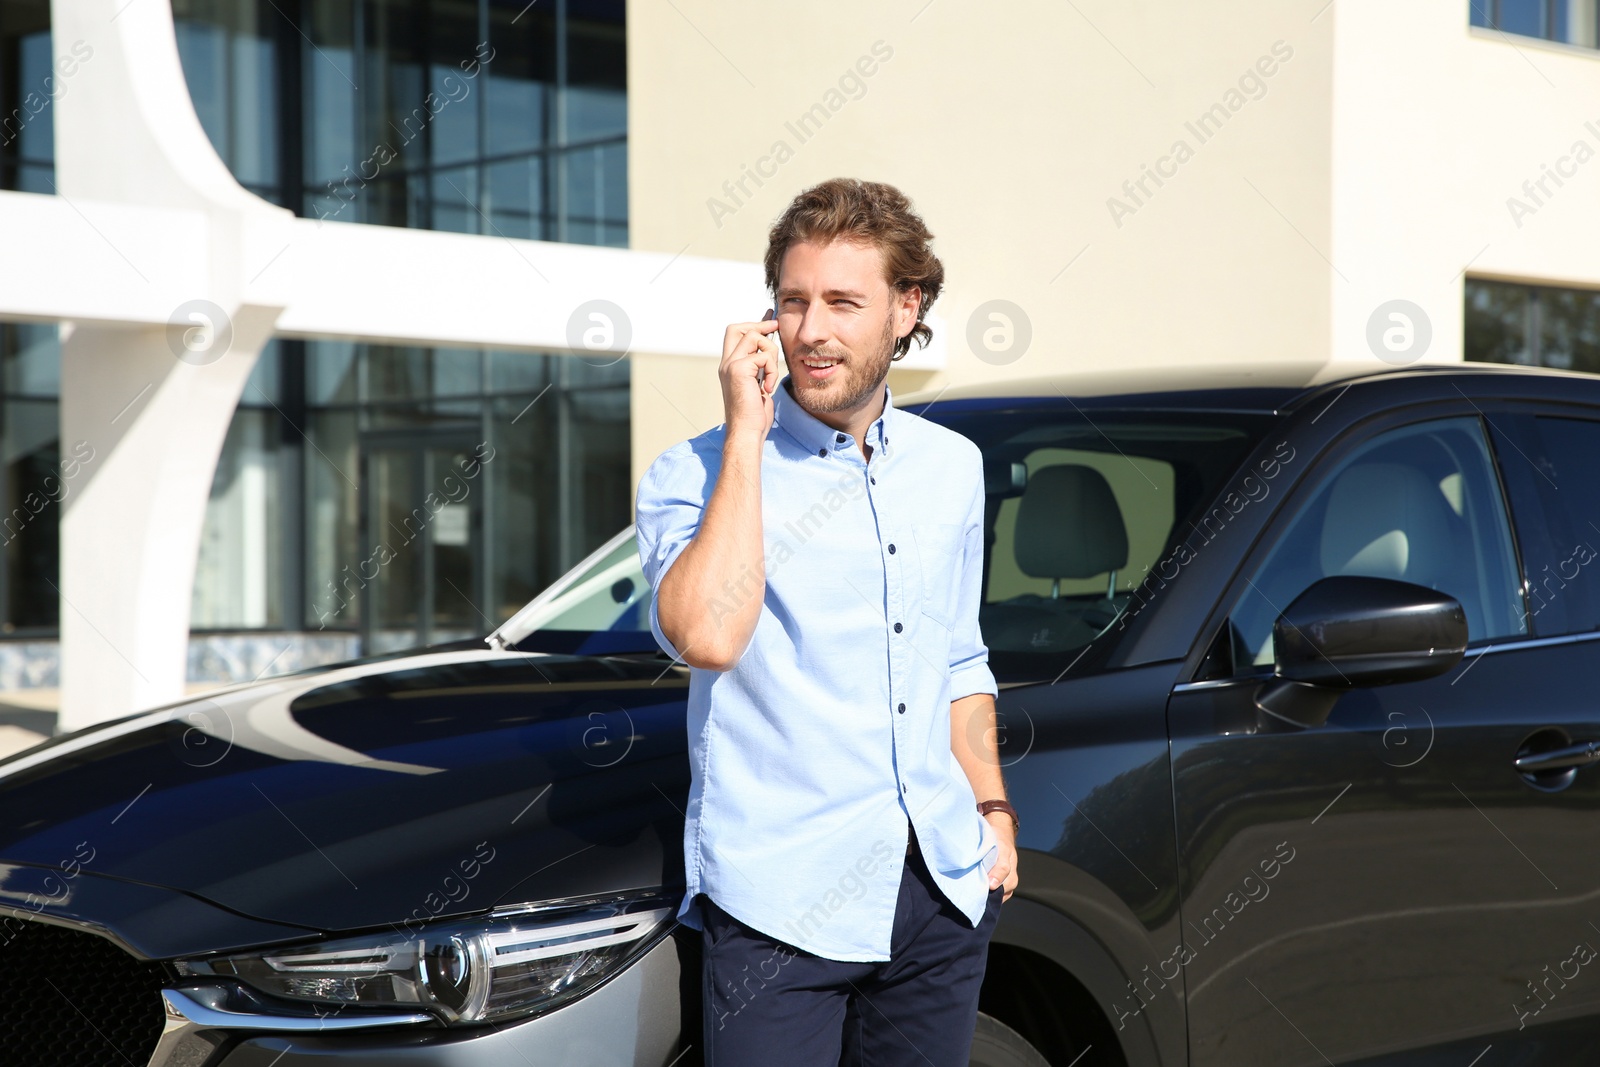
(858, 376)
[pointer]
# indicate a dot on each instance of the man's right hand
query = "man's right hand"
(746, 402)
(727, 550)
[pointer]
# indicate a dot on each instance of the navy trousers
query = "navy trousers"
(770, 1004)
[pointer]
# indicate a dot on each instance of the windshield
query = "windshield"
(601, 605)
(1080, 506)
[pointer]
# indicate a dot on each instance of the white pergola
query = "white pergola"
(148, 220)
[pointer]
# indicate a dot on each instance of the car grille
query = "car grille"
(71, 999)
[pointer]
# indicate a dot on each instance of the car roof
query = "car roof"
(1266, 385)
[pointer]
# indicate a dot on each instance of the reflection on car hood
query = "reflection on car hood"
(375, 793)
(148, 921)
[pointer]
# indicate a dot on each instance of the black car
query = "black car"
(1298, 685)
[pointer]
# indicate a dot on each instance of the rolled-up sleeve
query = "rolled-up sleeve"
(969, 656)
(667, 512)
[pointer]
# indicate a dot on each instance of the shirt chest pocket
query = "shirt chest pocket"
(938, 572)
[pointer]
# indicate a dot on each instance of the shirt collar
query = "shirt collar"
(817, 435)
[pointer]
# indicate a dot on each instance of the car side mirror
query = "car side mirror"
(1349, 631)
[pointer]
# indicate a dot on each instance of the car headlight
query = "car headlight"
(509, 963)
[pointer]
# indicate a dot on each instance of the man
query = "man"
(817, 562)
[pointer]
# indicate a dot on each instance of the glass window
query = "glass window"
(1532, 325)
(517, 372)
(337, 162)
(1555, 492)
(546, 480)
(264, 386)
(1568, 21)
(331, 372)
(1496, 328)
(456, 203)
(36, 483)
(475, 116)
(517, 199)
(238, 581)
(1418, 504)
(393, 78)
(1522, 16)
(503, 468)
(35, 478)
(525, 478)
(32, 359)
(1573, 21)
(521, 79)
(239, 574)
(450, 103)
(333, 587)
(28, 91)
(1568, 329)
(230, 60)
(396, 372)
(597, 195)
(596, 95)
(597, 458)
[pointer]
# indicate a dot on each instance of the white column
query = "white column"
(149, 406)
(147, 428)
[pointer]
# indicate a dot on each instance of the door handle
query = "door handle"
(1555, 759)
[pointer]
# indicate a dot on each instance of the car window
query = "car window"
(605, 593)
(1554, 484)
(1419, 504)
(1141, 491)
(1080, 508)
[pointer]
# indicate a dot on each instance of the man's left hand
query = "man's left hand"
(1004, 871)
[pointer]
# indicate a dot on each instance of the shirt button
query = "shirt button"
(874, 480)
(822, 451)
(891, 550)
(840, 438)
(902, 709)
(902, 787)
(898, 627)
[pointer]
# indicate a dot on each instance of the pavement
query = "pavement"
(22, 726)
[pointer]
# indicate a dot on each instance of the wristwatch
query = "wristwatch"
(986, 806)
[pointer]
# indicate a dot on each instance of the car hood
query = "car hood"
(146, 920)
(374, 793)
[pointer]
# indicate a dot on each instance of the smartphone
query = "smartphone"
(761, 372)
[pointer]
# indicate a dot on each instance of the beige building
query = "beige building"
(1148, 182)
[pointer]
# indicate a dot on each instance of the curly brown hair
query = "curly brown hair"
(854, 210)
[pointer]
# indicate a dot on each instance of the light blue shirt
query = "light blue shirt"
(809, 756)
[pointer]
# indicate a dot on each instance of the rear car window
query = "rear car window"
(1554, 483)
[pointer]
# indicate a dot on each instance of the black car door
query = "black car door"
(1384, 888)
(1550, 456)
